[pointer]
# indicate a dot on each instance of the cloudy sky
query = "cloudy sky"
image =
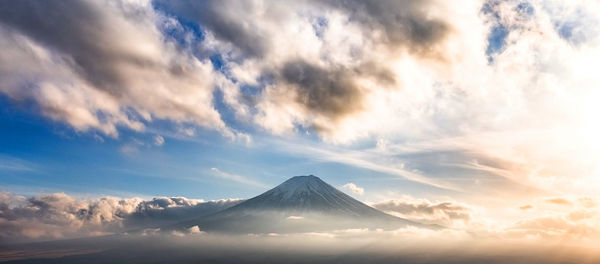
(472, 113)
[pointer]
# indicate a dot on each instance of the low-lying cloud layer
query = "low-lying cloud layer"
(60, 216)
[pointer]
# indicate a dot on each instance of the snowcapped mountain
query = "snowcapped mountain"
(307, 194)
(300, 204)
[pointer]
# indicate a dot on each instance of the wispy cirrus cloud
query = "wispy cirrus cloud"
(359, 159)
(15, 164)
(237, 178)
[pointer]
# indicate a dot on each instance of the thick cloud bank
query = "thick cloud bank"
(60, 216)
(102, 64)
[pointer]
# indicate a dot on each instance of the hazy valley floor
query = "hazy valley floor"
(277, 249)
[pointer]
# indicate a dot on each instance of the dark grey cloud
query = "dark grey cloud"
(223, 19)
(79, 30)
(405, 23)
(328, 91)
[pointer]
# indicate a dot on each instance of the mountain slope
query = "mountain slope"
(304, 194)
(300, 204)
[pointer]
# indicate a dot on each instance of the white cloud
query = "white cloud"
(353, 188)
(449, 214)
(195, 230)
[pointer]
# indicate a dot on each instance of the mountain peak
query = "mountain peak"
(303, 179)
(302, 183)
(298, 188)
